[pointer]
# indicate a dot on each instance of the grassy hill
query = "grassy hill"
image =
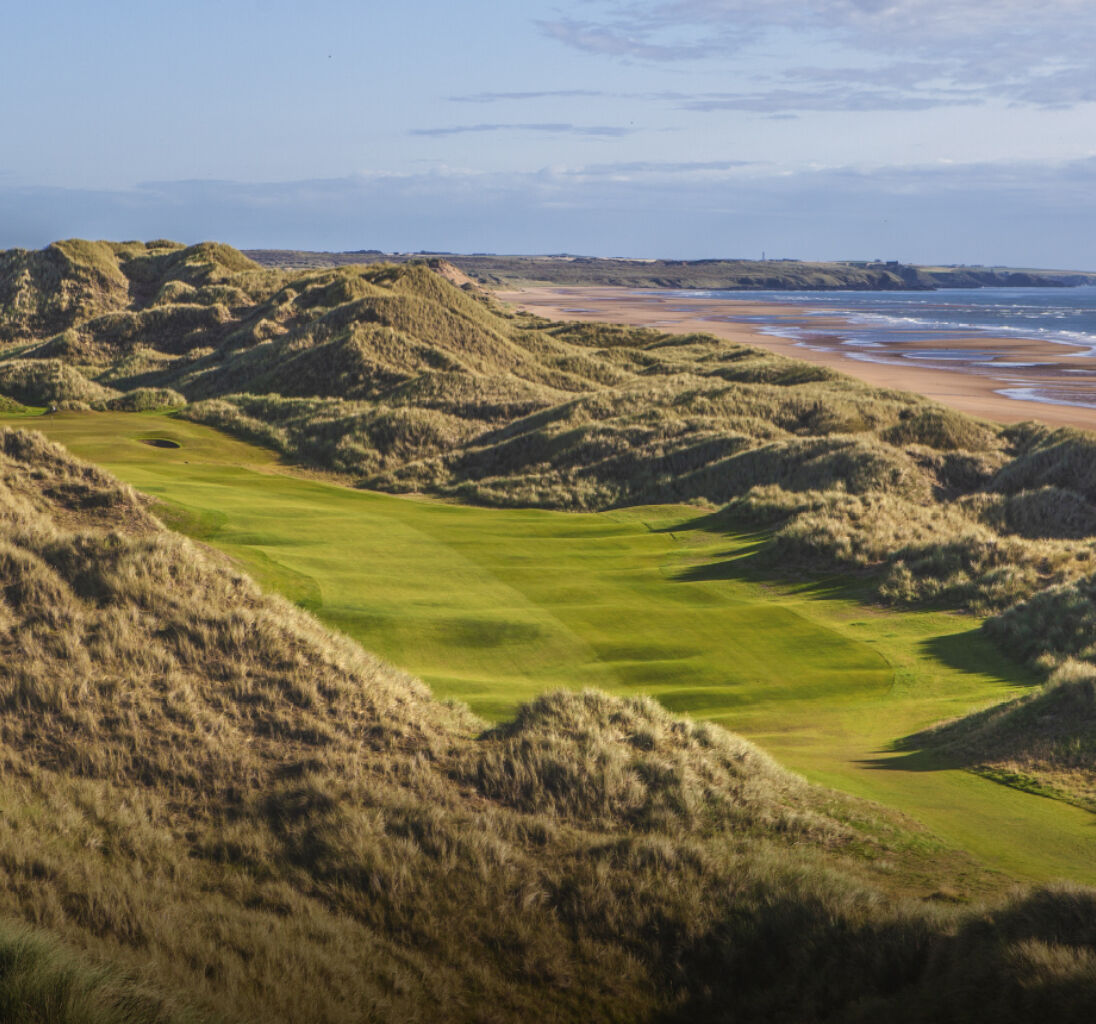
(403, 381)
(398, 379)
(212, 806)
(494, 607)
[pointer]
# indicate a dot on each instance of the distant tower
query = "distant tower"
(762, 255)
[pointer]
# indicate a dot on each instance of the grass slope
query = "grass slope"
(1043, 743)
(497, 606)
(247, 814)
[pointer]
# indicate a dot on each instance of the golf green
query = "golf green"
(493, 607)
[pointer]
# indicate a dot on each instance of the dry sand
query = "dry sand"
(971, 390)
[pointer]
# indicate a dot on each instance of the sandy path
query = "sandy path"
(970, 392)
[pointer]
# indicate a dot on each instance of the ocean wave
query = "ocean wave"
(1080, 339)
(1064, 318)
(1033, 394)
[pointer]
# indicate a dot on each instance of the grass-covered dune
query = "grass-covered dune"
(396, 378)
(67, 283)
(1045, 742)
(214, 807)
(401, 380)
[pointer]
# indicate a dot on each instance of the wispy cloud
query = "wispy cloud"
(662, 167)
(499, 97)
(832, 97)
(617, 39)
(553, 128)
(959, 50)
(800, 89)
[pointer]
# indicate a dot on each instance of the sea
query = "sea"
(981, 330)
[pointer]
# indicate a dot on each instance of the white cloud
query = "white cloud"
(964, 50)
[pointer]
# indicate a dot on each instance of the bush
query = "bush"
(146, 400)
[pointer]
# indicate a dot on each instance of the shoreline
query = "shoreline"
(968, 391)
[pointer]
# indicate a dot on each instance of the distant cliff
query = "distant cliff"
(755, 275)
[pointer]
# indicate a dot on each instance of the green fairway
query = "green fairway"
(494, 607)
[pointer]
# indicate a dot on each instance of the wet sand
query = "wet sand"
(969, 388)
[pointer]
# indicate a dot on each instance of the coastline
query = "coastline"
(974, 393)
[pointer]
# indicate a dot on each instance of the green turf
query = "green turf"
(495, 606)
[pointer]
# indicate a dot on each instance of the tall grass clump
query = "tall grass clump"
(41, 982)
(48, 382)
(1053, 625)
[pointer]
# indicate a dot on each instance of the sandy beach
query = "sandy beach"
(972, 390)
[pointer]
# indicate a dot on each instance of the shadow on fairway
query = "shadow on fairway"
(912, 761)
(724, 568)
(719, 521)
(972, 652)
(748, 564)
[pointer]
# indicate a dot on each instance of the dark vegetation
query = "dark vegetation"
(720, 274)
(213, 807)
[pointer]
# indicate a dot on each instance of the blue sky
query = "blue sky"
(920, 130)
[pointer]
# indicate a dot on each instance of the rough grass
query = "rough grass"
(249, 815)
(146, 400)
(49, 382)
(41, 982)
(597, 759)
(1044, 743)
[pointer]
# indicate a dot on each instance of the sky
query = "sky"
(922, 130)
